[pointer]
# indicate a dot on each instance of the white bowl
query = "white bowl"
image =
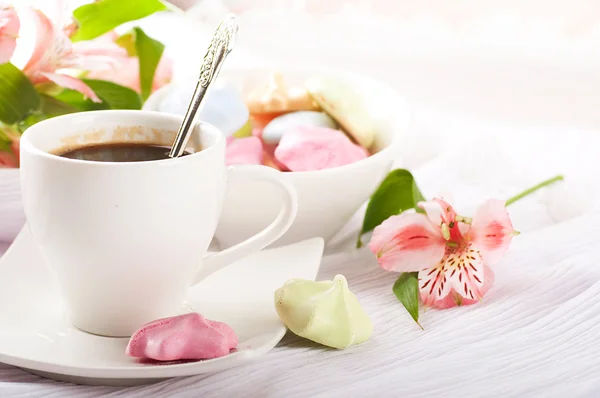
(12, 217)
(327, 199)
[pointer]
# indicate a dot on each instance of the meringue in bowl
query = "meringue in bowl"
(327, 198)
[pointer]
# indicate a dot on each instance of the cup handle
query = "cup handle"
(287, 214)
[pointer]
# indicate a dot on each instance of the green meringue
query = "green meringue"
(345, 105)
(325, 312)
(244, 131)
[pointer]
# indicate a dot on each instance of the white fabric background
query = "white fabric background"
(488, 124)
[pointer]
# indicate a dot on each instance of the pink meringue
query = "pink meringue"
(307, 148)
(247, 150)
(183, 337)
(269, 160)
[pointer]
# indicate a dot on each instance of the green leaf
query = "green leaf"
(5, 142)
(17, 95)
(97, 18)
(127, 41)
(54, 107)
(406, 289)
(50, 107)
(398, 192)
(30, 120)
(77, 100)
(149, 52)
(115, 95)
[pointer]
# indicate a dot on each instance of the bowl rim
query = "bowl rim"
(388, 151)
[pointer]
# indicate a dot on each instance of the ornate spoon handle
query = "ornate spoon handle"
(220, 46)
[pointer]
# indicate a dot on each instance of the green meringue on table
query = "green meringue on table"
(325, 312)
(340, 100)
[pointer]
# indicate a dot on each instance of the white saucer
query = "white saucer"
(35, 333)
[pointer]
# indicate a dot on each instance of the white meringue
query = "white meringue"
(224, 107)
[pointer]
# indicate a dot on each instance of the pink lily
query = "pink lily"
(451, 253)
(129, 68)
(54, 52)
(9, 29)
(10, 159)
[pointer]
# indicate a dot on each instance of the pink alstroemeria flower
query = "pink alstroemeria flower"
(54, 52)
(8, 160)
(11, 158)
(9, 29)
(129, 68)
(451, 253)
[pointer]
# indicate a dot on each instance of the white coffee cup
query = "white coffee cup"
(126, 240)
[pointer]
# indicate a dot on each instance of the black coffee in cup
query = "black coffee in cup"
(119, 152)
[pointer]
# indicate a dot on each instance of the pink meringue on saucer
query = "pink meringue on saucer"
(307, 148)
(248, 150)
(183, 337)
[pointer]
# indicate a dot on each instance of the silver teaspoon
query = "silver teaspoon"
(220, 46)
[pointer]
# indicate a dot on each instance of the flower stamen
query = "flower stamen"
(445, 231)
(465, 220)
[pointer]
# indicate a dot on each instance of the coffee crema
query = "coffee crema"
(119, 152)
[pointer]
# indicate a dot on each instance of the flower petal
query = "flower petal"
(163, 74)
(45, 35)
(451, 300)
(72, 83)
(438, 211)
(11, 157)
(9, 30)
(491, 231)
(102, 45)
(8, 160)
(441, 213)
(16, 149)
(433, 285)
(407, 243)
(100, 53)
(465, 272)
(454, 299)
(102, 58)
